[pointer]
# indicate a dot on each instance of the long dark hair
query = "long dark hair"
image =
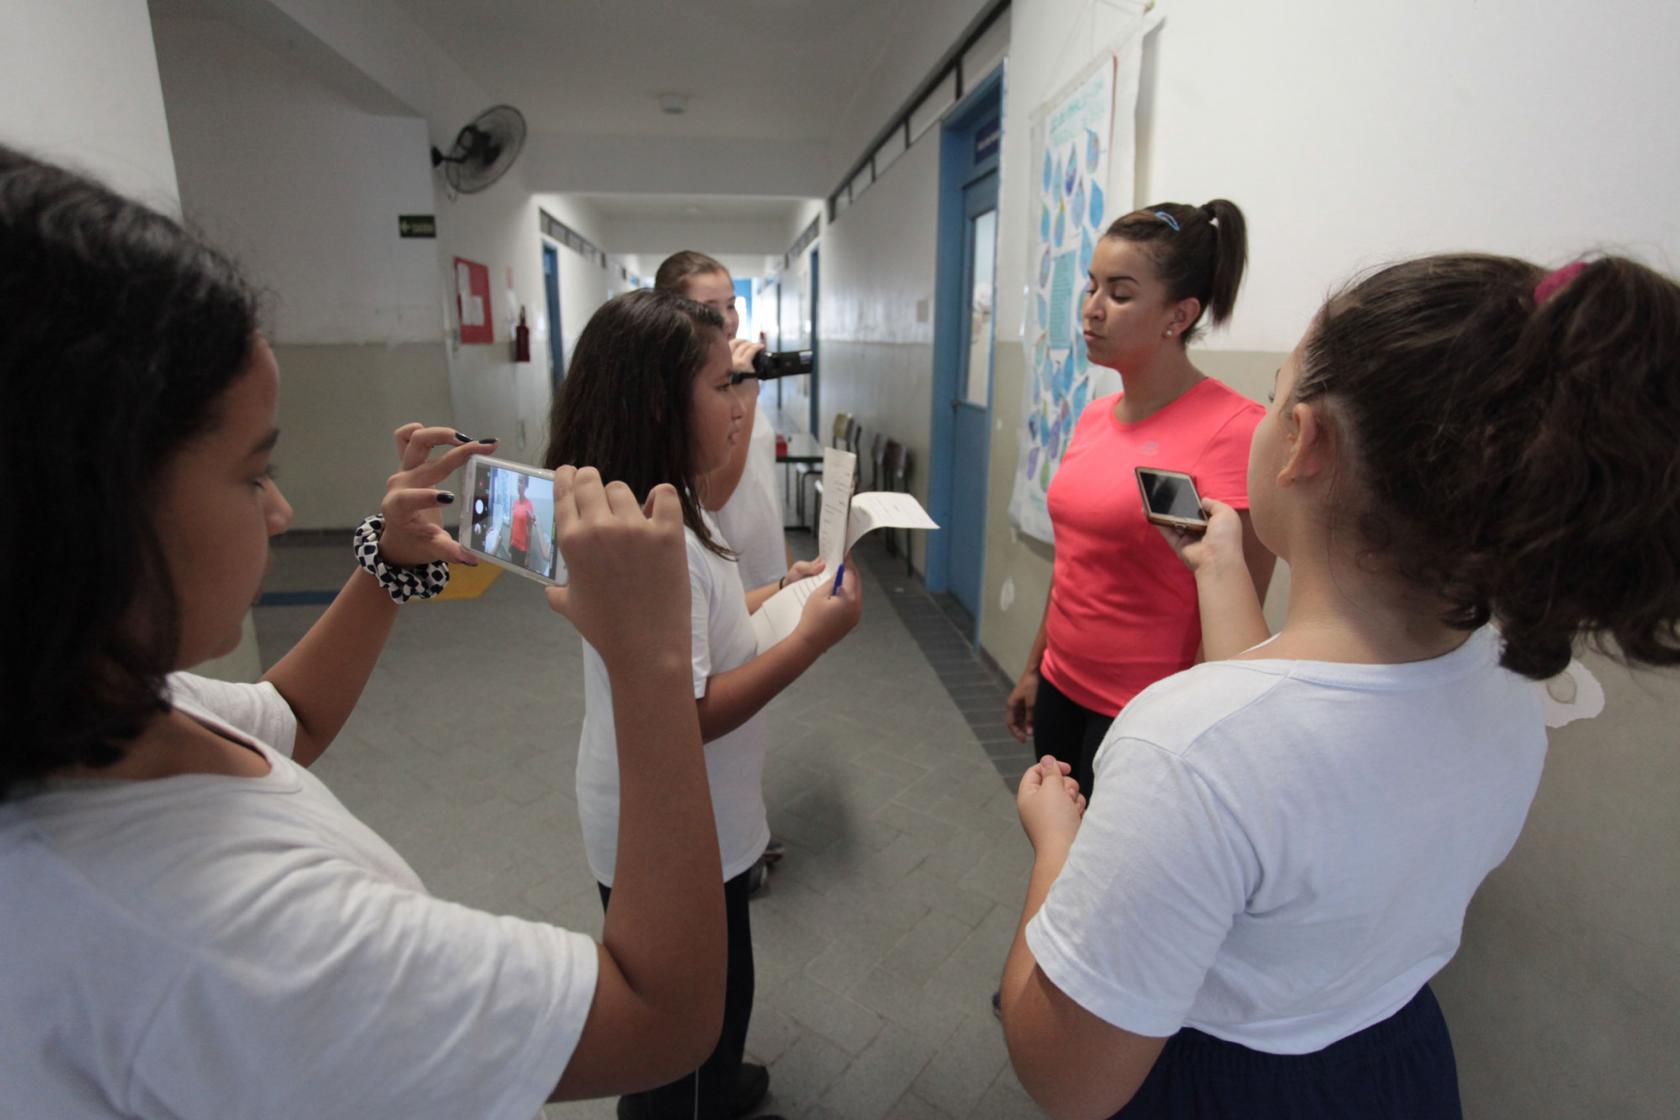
(121, 333)
(624, 406)
(1514, 451)
(1199, 252)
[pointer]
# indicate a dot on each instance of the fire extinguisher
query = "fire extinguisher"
(522, 340)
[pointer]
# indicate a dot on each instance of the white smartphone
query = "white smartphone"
(509, 519)
(1170, 499)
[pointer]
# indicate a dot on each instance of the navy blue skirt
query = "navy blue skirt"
(1400, 1068)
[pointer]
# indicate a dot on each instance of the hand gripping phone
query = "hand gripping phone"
(1170, 499)
(509, 519)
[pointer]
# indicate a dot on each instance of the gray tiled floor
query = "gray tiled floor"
(881, 937)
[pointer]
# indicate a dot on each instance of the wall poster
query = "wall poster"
(472, 301)
(1073, 147)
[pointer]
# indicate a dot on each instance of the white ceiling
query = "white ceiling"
(702, 207)
(753, 69)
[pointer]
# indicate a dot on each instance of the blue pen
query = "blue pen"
(839, 574)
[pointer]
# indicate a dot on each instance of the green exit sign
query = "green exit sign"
(417, 225)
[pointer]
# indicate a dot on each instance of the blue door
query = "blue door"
(971, 401)
(963, 344)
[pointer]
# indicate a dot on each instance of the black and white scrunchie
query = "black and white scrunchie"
(401, 584)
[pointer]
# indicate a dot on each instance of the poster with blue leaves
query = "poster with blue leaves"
(1072, 139)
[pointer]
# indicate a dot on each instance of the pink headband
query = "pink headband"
(1555, 281)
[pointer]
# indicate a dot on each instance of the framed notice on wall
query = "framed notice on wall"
(472, 301)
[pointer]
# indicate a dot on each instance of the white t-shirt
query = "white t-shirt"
(1280, 853)
(723, 640)
(212, 946)
(752, 517)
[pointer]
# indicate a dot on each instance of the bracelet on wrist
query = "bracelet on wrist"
(781, 584)
(401, 584)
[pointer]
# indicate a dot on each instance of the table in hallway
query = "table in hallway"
(792, 450)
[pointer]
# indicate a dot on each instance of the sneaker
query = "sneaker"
(774, 852)
(752, 1085)
(758, 879)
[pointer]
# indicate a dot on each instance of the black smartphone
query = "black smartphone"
(1170, 499)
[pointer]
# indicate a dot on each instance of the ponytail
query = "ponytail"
(1513, 442)
(1230, 256)
(1199, 252)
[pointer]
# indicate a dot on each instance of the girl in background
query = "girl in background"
(743, 495)
(194, 926)
(1121, 613)
(650, 398)
(1470, 466)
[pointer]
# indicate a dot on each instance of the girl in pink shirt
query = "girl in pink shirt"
(1122, 612)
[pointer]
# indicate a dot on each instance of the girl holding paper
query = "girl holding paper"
(649, 399)
(743, 495)
(1121, 613)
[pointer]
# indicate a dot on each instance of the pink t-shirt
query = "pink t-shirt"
(1123, 606)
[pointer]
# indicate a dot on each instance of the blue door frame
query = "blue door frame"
(551, 293)
(968, 164)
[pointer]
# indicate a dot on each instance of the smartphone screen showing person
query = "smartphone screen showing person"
(510, 520)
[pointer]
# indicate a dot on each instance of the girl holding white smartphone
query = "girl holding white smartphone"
(194, 926)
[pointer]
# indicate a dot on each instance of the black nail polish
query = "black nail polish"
(463, 437)
(492, 439)
(445, 497)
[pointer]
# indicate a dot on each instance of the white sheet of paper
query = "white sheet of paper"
(839, 474)
(841, 528)
(777, 616)
(885, 509)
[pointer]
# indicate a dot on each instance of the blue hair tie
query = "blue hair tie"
(1166, 217)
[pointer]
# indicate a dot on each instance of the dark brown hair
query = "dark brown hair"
(624, 407)
(675, 270)
(1199, 252)
(123, 332)
(1517, 460)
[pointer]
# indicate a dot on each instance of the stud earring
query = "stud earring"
(1169, 332)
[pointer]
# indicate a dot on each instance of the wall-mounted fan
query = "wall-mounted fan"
(484, 150)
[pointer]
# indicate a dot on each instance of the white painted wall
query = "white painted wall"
(800, 221)
(373, 51)
(655, 239)
(1354, 133)
(643, 164)
(80, 84)
(299, 132)
(303, 187)
(875, 316)
(584, 286)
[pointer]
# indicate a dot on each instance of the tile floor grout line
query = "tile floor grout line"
(933, 621)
